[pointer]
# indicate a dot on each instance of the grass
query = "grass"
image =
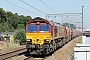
(7, 46)
(72, 58)
(80, 40)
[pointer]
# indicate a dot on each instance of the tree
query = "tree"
(71, 25)
(66, 24)
(20, 35)
(2, 15)
(9, 22)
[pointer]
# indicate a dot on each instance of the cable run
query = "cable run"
(19, 6)
(47, 6)
(32, 7)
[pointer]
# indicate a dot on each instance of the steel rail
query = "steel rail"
(12, 52)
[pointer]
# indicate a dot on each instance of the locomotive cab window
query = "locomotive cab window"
(32, 28)
(44, 28)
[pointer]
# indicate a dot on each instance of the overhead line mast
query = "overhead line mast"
(61, 15)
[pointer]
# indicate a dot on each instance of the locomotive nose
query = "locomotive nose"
(38, 38)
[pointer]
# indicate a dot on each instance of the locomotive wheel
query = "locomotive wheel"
(46, 51)
(46, 48)
(51, 50)
(51, 47)
(28, 50)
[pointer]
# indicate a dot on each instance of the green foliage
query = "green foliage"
(71, 25)
(20, 35)
(4, 27)
(20, 26)
(79, 40)
(2, 15)
(11, 22)
(72, 58)
(66, 24)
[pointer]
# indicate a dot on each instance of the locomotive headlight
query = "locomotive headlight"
(46, 40)
(28, 40)
(37, 38)
(46, 37)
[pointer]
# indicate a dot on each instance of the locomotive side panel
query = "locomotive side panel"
(61, 32)
(67, 31)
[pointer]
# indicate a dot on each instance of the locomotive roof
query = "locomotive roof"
(55, 23)
(50, 22)
(38, 19)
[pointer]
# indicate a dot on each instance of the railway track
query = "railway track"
(18, 54)
(7, 54)
(32, 58)
(40, 57)
(21, 54)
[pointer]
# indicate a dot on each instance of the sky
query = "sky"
(58, 6)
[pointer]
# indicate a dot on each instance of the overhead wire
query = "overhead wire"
(48, 6)
(19, 6)
(32, 7)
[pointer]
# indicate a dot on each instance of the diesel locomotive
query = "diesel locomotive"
(44, 37)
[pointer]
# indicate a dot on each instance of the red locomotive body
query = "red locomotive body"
(45, 36)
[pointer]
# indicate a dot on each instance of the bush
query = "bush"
(20, 35)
